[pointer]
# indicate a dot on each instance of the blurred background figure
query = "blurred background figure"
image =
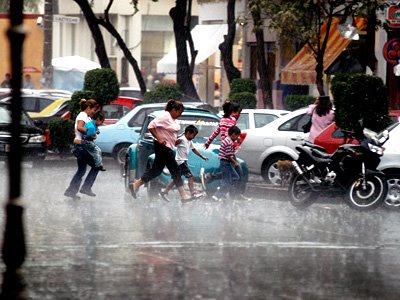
(28, 83)
(124, 82)
(7, 81)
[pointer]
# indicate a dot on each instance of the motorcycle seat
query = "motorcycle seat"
(318, 156)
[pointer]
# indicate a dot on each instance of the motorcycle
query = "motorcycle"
(350, 172)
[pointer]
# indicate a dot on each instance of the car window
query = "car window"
(5, 117)
(138, 119)
(243, 122)
(43, 103)
(130, 93)
(29, 104)
(204, 124)
(112, 111)
(295, 124)
(145, 128)
(263, 119)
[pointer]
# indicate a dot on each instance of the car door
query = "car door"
(145, 146)
(292, 130)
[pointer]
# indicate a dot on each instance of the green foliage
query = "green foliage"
(293, 102)
(240, 85)
(162, 93)
(360, 96)
(61, 134)
(244, 99)
(104, 84)
(77, 96)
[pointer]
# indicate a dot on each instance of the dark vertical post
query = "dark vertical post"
(13, 252)
(48, 44)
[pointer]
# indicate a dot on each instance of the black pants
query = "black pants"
(164, 157)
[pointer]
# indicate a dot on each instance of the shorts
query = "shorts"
(184, 170)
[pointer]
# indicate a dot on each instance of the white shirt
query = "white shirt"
(82, 116)
(182, 150)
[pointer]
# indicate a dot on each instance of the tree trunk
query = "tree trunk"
(183, 72)
(261, 61)
(47, 73)
(121, 43)
(96, 33)
(320, 73)
(226, 47)
(370, 47)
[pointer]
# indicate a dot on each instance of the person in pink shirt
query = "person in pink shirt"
(322, 115)
(165, 129)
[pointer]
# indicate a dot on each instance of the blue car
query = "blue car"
(140, 156)
(115, 139)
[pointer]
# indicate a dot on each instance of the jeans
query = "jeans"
(94, 151)
(164, 157)
(83, 159)
(230, 178)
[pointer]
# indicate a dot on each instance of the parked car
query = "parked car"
(58, 109)
(114, 139)
(119, 108)
(256, 118)
(33, 140)
(140, 155)
(264, 146)
(34, 102)
(332, 136)
(131, 92)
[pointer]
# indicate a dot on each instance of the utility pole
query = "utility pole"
(47, 75)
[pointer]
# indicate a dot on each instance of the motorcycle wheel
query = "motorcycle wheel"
(301, 194)
(370, 197)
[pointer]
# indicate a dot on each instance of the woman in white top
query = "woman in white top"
(88, 108)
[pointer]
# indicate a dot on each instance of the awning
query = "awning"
(206, 39)
(301, 69)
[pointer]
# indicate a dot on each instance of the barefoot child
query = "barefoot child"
(181, 157)
(88, 139)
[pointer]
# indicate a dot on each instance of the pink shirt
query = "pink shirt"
(167, 127)
(318, 123)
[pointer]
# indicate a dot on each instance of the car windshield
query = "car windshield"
(5, 117)
(205, 125)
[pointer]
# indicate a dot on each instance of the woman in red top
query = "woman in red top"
(165, 130)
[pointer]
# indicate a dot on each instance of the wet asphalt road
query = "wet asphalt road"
(115, 247)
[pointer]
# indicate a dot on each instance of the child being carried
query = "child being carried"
(88, 139)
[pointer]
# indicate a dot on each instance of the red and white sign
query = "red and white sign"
(391, 51)
(393, 16)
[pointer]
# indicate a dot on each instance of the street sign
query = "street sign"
(66, 19)
(393, 16)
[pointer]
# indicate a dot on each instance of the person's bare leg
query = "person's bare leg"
(137, 184)
(191, 185)
(182, 192)
(169, 187)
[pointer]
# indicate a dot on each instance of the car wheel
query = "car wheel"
(120, 153)
(392, 199)
(270, 171)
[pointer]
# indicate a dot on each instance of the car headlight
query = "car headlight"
(37, 139)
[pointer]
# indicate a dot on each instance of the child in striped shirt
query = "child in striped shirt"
(228, 164)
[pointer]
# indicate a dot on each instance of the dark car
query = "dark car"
(32, 138)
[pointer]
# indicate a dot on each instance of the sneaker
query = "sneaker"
(87, 192)
(101, 168)
(197, 195)
(216, 199)
(243, 197)
(163, 195)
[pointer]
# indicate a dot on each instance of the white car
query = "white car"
(264, 146)
(256, 118)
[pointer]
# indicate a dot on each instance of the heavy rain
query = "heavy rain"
(112, 246)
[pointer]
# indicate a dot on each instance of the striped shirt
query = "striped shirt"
(223, 127)
(226, 149)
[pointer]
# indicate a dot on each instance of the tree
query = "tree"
(258, 28)
(91, 19)
(302, 20)
(181, 15)
(226, 47)
(31, 6)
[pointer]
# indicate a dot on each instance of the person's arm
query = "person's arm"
(195, 151)
(159, 138)
(213, 136)
(81, 127)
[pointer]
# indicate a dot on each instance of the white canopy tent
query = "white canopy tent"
(206, 39)
(69, 72)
